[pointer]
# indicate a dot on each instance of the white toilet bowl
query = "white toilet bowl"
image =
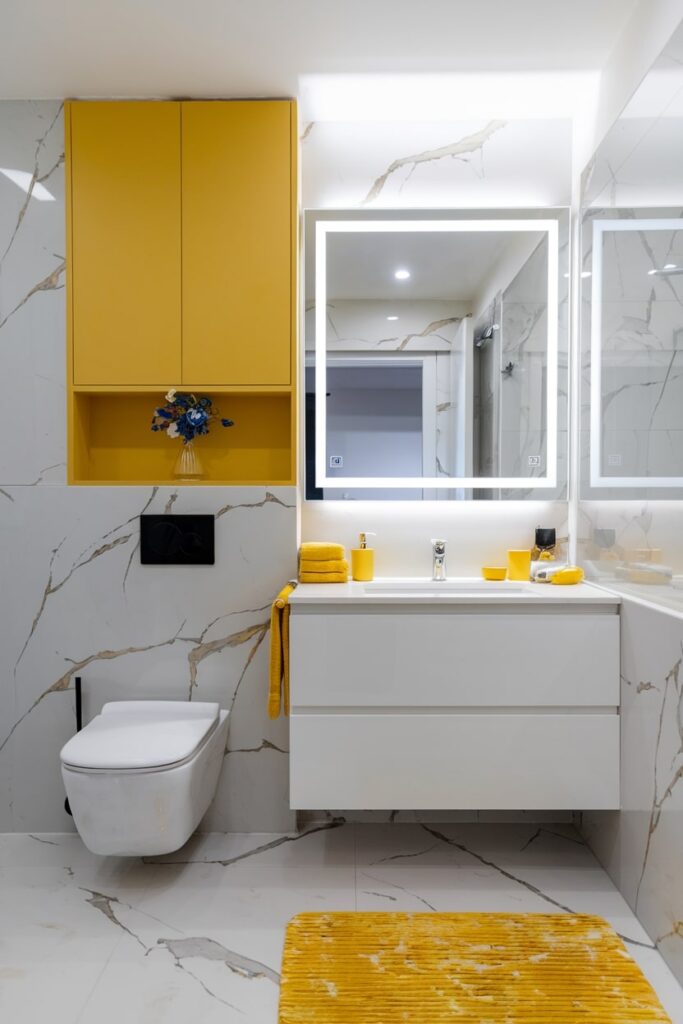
(141, 775)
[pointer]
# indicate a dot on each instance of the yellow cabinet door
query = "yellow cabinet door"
(124, 162)
(237, 184)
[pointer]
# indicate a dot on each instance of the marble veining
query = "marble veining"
(80, 602)
(199, 935)
(640, 847)
(463, 149)
(85, 606)
(436, 164)
(641, 354)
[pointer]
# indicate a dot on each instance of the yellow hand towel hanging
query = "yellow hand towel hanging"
(278, 692)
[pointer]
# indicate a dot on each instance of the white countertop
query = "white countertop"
(518, 594)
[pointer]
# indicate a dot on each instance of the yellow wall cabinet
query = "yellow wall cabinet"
(181, 227)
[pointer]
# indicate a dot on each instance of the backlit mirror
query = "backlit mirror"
(635, 313)
(435, 352)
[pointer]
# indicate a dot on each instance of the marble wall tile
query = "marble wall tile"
(74, 598)
(639, 160)
(433, 164)
(360, 325)
(32, 307)
(82, 604)
(640, 846)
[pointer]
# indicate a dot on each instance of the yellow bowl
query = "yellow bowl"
(494, 572)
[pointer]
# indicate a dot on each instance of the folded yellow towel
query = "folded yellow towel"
(324, 577)
(332, 565)
(321, 551)
(278, 692)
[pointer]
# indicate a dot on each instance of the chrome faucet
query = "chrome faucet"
(439, 560)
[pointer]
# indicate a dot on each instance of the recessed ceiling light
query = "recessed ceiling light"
(585, 273)
(401, 275)
(28, 184)
(392, 318)
(652, 272)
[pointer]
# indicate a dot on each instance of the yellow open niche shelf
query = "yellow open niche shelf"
(112, 441)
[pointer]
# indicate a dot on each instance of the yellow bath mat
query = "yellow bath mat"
(384, 968)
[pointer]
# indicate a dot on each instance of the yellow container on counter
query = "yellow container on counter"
(363, 560)
(519, 565)
(494, 572)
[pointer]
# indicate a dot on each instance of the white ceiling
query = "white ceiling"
(260, 47)
(442, 266)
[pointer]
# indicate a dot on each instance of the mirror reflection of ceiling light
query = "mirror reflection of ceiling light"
(392, 318)
(401, 275)
(23, 180)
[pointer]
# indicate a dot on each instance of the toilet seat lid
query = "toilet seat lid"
(135, 734)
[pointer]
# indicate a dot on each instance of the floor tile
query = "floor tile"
(197, 936)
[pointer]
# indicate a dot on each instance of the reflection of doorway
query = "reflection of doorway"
(380, 422)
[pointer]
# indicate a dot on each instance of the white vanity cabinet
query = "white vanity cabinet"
(457, 702)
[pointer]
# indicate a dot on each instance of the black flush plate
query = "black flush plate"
(177, 540)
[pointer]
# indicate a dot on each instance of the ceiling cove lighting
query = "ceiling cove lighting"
(401, 274)
(28, 184)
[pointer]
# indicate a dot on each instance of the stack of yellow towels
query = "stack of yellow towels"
(320, 562)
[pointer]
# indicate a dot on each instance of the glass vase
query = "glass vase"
(188, 465)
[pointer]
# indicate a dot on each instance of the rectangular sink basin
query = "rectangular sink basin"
(455, 586)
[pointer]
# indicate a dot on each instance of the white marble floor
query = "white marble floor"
(196, 937)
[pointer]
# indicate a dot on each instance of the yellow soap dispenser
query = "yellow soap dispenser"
(363, 560)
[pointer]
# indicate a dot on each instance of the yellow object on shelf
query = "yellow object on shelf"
(572, 574)
(278, 691)
(519, 565)
(494, 572)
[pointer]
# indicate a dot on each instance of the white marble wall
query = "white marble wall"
(640, 846)
(360, 325)
(436, 164)
(74, 597)
(638, 162)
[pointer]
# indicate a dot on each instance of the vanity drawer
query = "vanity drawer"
(463, 762)
(450, 658)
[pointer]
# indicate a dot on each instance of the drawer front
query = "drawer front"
(454, 660)
(464, 762)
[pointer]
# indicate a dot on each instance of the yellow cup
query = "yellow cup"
(519, 565)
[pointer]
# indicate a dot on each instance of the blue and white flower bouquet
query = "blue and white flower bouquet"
(186, 416)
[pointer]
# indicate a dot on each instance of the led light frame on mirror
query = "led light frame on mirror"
(600, 228)
(322, 229)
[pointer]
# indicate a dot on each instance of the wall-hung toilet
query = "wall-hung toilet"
(141, 775)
